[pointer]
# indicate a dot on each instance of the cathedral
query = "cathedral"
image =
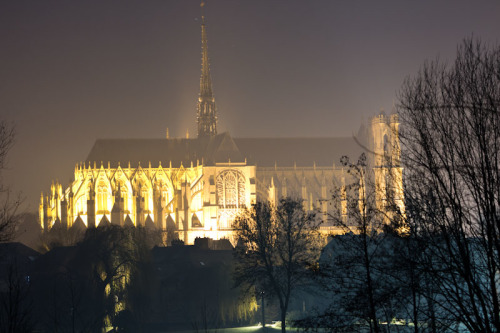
(197, 186)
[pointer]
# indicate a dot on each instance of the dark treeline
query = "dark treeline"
(116, 277)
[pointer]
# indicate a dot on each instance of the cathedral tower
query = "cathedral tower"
(207, 118)
(196, 188)
(387, 165)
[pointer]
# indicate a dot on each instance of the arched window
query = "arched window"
(387, 146)
(125, 196)
(145, 197)
(81, 205)
(102, 197)
(164, 196)
(230, 189)
(195, 221)
(197, 201)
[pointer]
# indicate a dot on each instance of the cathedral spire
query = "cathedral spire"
(207, 118)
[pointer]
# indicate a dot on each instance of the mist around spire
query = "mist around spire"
(206, 115)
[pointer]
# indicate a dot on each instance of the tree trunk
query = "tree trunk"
(373, 314)
(263, 311)
(283, 320)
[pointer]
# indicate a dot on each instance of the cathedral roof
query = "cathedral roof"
(218, 148)
(267, 152)
(222, 147)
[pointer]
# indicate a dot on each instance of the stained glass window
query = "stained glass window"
(230, 189)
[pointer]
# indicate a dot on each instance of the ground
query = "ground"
(246, 329)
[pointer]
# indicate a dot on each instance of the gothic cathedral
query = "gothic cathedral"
(196, 186)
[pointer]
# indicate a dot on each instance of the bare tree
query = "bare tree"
(15, 303)
(16, 298)
(9, 204)
(355, 267)
(278, 248)
(450, 115)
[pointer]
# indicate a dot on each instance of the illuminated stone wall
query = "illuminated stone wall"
(201, 201)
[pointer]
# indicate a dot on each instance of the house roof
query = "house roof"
(11, 250)
(174, 259)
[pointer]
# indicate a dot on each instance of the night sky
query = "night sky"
(74, 71)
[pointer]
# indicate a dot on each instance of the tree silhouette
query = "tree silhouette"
(278, 248)
(9, 203)
(450, 138)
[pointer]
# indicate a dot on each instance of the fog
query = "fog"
(73, 72)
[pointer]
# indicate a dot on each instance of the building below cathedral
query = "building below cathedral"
(196, 186)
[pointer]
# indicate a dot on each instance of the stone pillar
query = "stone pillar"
(70, 208)
(323, 200)
(64, 213)
(139, 201)
(91, 209)
(304, 192)
(272, 192)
